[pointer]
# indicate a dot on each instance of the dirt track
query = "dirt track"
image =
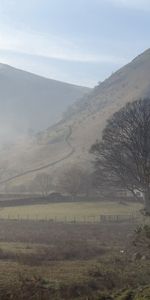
(72, 150)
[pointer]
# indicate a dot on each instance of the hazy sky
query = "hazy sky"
(78, 41)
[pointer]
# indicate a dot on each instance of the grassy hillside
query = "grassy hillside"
(85, 121)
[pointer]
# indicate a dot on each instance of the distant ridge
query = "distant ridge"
(32, 102)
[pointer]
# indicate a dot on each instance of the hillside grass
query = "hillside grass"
(77, 211)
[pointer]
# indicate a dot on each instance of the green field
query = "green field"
(79, 211)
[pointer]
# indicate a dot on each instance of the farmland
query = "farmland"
(41, 259)
(79, 211)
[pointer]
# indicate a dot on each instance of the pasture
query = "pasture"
(77, 211)
(43, 260)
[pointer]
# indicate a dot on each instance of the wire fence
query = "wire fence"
(132, 218)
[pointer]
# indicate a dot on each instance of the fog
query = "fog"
(31, 103)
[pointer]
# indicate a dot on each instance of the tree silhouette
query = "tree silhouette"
(122, 157)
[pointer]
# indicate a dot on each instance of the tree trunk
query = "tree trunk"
(147, 201)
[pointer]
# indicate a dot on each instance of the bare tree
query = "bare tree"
(73, 181)
(43, 183)
(122, 157)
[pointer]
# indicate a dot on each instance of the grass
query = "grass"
(42, 260)
(18, 247)
(75, 280)
(79, 211)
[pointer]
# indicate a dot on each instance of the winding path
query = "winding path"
(72, 150)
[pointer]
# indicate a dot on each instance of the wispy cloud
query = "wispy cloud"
(134, 4)
(52, 47)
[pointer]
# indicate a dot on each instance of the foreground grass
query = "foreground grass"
(104, 278)
(78, 211)
(41, 261)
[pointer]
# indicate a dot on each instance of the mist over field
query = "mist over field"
(74, 150)
(30, 103)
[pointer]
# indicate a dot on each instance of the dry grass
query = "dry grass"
(79, 211)
(41, 261)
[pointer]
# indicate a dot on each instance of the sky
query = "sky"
(76, 41)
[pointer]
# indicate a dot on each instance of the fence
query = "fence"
(132, 218)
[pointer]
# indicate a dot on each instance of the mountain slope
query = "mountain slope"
(86, 119)
(127, 84)
(29, 101)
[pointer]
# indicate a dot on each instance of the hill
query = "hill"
(30, 103)
(69, 140)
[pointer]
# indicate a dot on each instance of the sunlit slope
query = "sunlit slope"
(87, 117)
